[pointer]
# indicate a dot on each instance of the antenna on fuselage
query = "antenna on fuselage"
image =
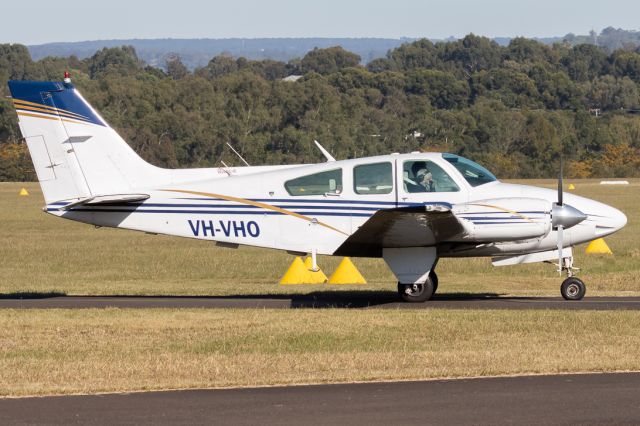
(326, 154)
(236, 152)
(226, 168)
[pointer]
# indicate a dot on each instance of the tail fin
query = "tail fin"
(75, 153)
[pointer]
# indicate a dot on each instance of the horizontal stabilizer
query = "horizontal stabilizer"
(113, 199)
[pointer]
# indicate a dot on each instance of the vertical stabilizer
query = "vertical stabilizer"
(74, 152)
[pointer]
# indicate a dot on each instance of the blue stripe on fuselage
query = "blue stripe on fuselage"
(207, 212)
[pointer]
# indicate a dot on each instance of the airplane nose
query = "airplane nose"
(609, 221)
(618, 219)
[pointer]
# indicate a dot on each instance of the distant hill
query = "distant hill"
(197, 52)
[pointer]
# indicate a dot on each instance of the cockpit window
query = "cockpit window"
(426, 176)
(316, 184)
(473, 173)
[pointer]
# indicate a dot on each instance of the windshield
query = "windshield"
(474, 173)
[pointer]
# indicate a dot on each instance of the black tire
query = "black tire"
(573, 289)
(434, 280)
(416, 293)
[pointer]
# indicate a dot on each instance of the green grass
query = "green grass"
(44, 254)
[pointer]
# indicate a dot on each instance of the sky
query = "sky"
(38, 21)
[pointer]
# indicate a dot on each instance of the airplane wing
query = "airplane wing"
(478, 222)
(418, 226)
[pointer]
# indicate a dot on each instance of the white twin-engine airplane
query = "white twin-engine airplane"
(410, 209)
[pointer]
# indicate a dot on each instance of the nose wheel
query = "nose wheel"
(573, 289)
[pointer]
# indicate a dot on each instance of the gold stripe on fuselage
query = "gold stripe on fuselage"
(255, 204)
(515, 213)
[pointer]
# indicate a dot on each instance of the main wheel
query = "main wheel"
(434, 280)
(573, 289)
(416, 293)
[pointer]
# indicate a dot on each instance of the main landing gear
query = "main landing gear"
(418, 293)
(572, 288)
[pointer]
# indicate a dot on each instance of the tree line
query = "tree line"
(513, 108)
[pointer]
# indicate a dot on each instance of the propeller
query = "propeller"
(560, 226)
(563, 216)
(560, 182)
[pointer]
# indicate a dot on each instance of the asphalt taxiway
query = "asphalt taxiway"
(562, 399)
(362, 299)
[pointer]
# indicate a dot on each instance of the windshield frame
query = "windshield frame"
(469, 166)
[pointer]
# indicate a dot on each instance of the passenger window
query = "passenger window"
(373, 178)
(316, 184)
(426, 176)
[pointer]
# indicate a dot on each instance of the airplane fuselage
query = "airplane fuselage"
(255, 208)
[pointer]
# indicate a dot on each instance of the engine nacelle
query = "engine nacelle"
(504, 219)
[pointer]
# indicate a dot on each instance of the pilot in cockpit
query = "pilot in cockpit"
(423, 176)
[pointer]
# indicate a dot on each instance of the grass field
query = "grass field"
(73, 351)
(77, 351)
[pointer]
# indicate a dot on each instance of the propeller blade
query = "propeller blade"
(560, 243)
(560, 183)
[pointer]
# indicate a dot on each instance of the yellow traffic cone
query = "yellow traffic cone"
(317, 277)
(296, 274)
(598, 247)
(347, 273)
(24, 192)
(571, 187)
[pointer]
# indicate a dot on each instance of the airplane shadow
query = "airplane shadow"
(318, 299)
(32, 295)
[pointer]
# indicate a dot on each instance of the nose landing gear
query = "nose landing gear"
(572, 288)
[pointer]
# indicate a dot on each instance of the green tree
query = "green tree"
(608, 93)
(16, 63)
(176, 69)
(116, 60)
(584, 62)
(218, 66)
(330, 60)
(419, 54)
(514, 89)
(472, 54)
(441, 88)
(625, 64)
